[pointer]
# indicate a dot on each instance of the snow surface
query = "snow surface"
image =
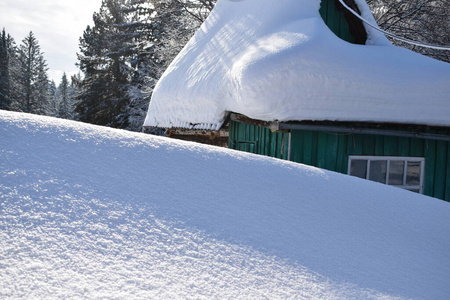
(91, 212)
(277, 60)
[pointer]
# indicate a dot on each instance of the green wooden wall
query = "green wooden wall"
(331, 151)
(258, 140)
(335, 20)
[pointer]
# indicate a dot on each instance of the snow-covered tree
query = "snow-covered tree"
(63, 93)
(426, 21)
(32, 79)
(126, 51)
(112, 56)
(7, 54)
(52, 98)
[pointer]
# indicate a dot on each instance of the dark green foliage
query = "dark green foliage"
(123, 55)
(32, 77)
(112, 55)
(64, 110)
(6, 53)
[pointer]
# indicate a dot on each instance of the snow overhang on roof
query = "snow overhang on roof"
(277, 60)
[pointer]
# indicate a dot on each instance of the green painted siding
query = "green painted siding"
(259, 140)
(436, 154)
(335, 20)
(331, 151)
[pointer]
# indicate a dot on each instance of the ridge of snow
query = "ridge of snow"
(277, 60)
(93, 212)
(374, 37)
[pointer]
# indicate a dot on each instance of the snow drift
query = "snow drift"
(277, 60)
(93, 212)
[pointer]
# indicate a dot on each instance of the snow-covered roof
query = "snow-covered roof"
(277, 60)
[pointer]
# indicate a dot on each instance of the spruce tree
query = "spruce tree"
(32, 79)
(126, 51)
(52, 97)
(64, 105)
(6, 54)
(108, 58)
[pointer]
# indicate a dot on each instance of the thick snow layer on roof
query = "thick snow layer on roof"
(277, 60)
(88, 212)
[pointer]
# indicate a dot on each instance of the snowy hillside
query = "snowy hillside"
(92, 212)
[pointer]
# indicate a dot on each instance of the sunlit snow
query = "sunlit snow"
(92, 212)
(277, 60)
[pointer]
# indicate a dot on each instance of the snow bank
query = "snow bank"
(277, 60)
(91, 212)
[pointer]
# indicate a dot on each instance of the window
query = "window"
(403, 172)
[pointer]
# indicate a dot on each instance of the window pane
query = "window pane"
(396, 170)
(413, 173)
(378, 170)
(358, 168)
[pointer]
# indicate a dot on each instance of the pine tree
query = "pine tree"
(110, 55)
(126, 51)
(41, 89)
(64, 105)
(6, 58)
(52, 97)
(32, 77)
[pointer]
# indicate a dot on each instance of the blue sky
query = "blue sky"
(56, 24)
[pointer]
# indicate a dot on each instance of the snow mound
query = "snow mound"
(277, 60)
(92, 212)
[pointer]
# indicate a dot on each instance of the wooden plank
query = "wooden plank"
(247, 136)
(265, 141)
(333, 21)
(273, 145)
(356, 144)
(231, 136)
(368, 146)
(321, 149)
(440, 171)
(199, 132)
(309, 147)
(257, 132)
(430, 165)
(417, 147)
(297, 146)
(286, 148)
(390, 146)
(331, 152)
(379, 145)
(342, 154)
(277, 145)
(403, 146)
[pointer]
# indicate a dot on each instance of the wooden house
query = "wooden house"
(348, 102)
(412, 157)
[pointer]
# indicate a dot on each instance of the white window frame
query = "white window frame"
(405, 159)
